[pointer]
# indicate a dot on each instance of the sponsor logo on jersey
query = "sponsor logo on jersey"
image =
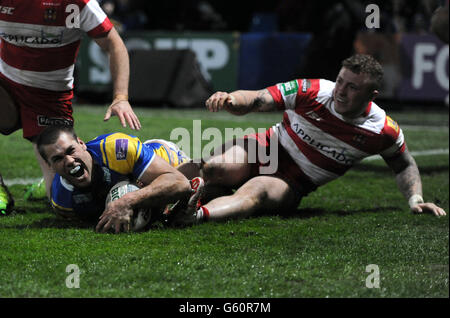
(44, 38)
(106, 175)
(341, 155)
(46, 121)
(121, 149)
(306, 83)
(6, 10)
(82, 198)
(290, 87)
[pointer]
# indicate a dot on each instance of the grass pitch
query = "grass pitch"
(323, 251)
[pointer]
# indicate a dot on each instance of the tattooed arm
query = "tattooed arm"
(241, 102)
(408, 181)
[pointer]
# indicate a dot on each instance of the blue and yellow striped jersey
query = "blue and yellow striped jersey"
(116, 157)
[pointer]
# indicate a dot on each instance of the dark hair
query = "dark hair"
(366, 64)
(50, 135)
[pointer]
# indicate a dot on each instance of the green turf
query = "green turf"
(322, 251)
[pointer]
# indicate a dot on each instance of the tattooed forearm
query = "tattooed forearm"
(251, 101)
(408, 179)
(241, 107)
(263, 101)
(409, 182)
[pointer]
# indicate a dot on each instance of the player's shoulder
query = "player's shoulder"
(114, 147)
(325, 90)
(386, 124)
(304, 86)
(391, 127)
(112, 139)
(61, 194)
(326, 85)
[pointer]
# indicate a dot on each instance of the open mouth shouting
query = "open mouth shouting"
(78, 174)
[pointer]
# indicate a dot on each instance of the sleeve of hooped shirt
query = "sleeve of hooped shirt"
(394, 140)
(61, 195)
(294, 93)
(121, 153)
(93, 20)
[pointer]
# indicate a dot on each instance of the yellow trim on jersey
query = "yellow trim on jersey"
(161, 152)
(102, 151)
(109, 152)
(168, 153)
(61, 207)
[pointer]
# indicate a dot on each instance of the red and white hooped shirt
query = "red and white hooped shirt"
(324, 144)
(40, 39)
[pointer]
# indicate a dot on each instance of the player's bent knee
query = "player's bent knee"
(226, 174)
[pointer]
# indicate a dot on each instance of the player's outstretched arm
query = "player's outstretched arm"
(162, 184)
(241, 102)
(408, 181)
(119, 65)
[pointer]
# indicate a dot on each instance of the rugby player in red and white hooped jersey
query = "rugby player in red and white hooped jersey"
(327, 127)
(40, 40)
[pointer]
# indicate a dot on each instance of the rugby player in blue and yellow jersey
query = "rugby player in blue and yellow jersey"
(85, 172)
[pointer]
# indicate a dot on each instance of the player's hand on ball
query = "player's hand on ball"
(220, 100)
(117, 215)
(123, 110)
(428, 208)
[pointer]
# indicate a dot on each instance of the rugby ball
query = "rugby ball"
(141, 217)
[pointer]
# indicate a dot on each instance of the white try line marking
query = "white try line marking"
(10, 182)
(431, 152)
(430, 128)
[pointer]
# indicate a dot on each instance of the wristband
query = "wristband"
(120, 97)
(414, 200)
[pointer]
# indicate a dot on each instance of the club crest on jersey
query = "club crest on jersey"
(360, 139)
(121, 149)
(290, 87)
(50, 10)
(50, 15)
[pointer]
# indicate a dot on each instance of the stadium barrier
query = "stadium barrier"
(167, 77)
(416, 66)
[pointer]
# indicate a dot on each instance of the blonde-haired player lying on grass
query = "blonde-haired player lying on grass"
(327, 127)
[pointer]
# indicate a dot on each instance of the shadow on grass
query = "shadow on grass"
(305, 213)
(300, 213)
(51, 222)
